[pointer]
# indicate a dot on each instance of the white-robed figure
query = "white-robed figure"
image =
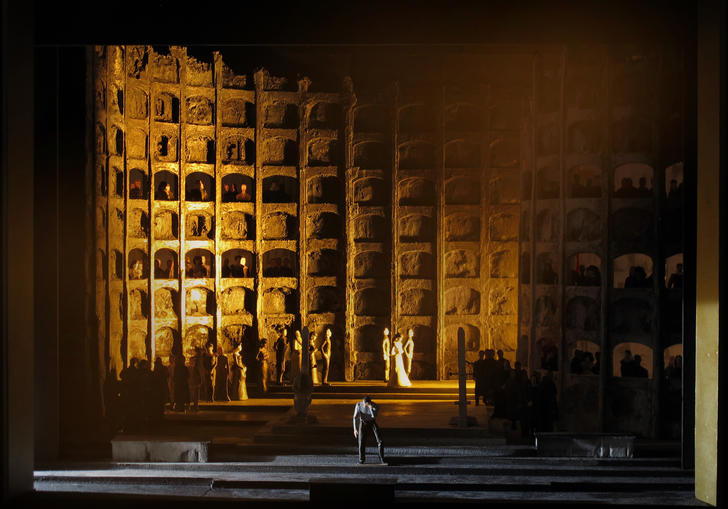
(400, 369)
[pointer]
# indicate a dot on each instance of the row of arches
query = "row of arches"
(631, 180)
(630, 270)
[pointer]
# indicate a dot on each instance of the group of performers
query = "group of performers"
(402, 353)
(289, 357)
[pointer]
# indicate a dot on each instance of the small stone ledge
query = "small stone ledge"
(590, 445)
(174, 451)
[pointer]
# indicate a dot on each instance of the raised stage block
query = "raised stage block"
(589, 445)
(173, 451)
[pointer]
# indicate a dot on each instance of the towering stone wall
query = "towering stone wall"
(497, 190)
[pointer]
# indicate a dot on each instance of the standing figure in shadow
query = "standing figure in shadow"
(238, 370)
(195, 379)
(281, 349)
(181, 384)
(222, 372)
(399, 365)
(262, 358)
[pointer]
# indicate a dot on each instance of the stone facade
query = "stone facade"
(466, 191)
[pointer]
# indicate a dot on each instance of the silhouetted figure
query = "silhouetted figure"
(195, 379)
(626, 364)
(674, 195)
(130, 394)
(546, 406)
(478, 377)
(637, 369)
(207, 372)
(676, 279)
(158, 270)
(161, 391)
(169, 272)
(490, 376)
(400, 370)
(627, 189)
(637, 278)
(137, 270)
(228, 195)
(262, 360)
(225, 271)
(238, 371)
(239, 268)
(222, 373)
(112, 400)
(164, 192)
(181, 384)
(592, 276)
(198, 193)
(549, 358)
(365, 414)
(643, 191)
(576, 363)
(514, 398)
(280, 347)
(147, 392)
(409, 350)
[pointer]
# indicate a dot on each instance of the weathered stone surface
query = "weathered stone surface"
(232, 335)
(462, 154)
(138, 345)
(548, 139)
(199, 110)
(279, 151)
(199, 226)
(462, 191)
(116, 141)
(199, 302)
(233, 300)
(370, 264)
(371, 155)
(416, 228)
(416, 191)
(274, 301)
(462, 263)
(368, 338)
(502, 300)
(547, 226)
(326, 225)
(165, 343)
(370, 302)
(547, 183)
(370, 228)
(546, 311)
(324, 262)
(165, 68)
(166, 108)
(323, 152)
(416, 118)
(198, 74)
(138, 223)
(583, 137)
(138, 104)
(462, 301)
(323, 190)
(583, 225)
(200, 149)
(504, 190)
(281, 115)
(503, 227)
(416, 264)
(275, 226)
(582, 313)
(238, 113)
(369, 370)
(462, 227)
(370, 191)
(235, 226)
(238, 150)
(416, 155)
(166, 148)
(196, 336)
(323, 299)
(324, 116)
(165, 304)
(138, 305)
(503, 263)
(416, 301)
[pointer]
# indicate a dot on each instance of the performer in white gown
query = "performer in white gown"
(399, 365)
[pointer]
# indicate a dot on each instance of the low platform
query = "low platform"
(174, 450)
(590, 445)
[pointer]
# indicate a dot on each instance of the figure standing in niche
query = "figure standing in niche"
(262, 359)
(676, 280)
(243, 195)
(137, 270)
(386, 354)
(643, 191)
(199, 193)
(222, 373)
(164, 192)
(239, 268)
(325, 350)
(227, 194)
(409, 350)
(238, 370)
(400, 369)
(281, 349)
(168, 272)
(225, 268)
(158, 272)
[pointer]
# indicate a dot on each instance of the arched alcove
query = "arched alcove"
(585, 181)
(237, 300)
(323, 299)
(546, 269)
(165, 264)
(138, 264)
(370, 191)
(199, 301)
(166, 344)
(166, 304)
(323, 262)
(633, 180)
(280, 189)
(199, 186)
(280, 263)
(238, 263)
(370, 264)
(416, 228)
(118, 182)
(200, 149)
(672, 358)
(237, 187)
(370, 118)
(583, 225)
(674, 272)
(584, 358)
(196, 339)
(199, 263)
(624, 365)
(584, 137)
(416, 191)
(280, 115)
(462, 191)
(505, 153)
(547, 226)
(547, 183)
(584, 269)
(371, 155)
(323, 152)
(582, 313)
(632, 225)
(325, 225)
(370, 302)
(416, 265)
(547, 353)
(323, 190)
(368, 338)
(416, 155)
(632, 270)
(199, 226)
(674, 184)
(166, 185)
(138, 185)
(462, 154)
(324, 115)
